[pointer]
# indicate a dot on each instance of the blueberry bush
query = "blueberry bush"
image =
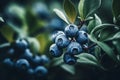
(45, 40)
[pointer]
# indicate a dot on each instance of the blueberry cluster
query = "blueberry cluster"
(20, 61)
(70, 42)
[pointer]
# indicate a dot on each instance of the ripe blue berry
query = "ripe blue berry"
(41, 10)
(74, 48)
(8, 62)
(71, 30)
(56, 34)
(20, 45)
(82, 37)
(55, 51)
(22, 64)
(56, 24)
(27, 54)
(62, 41)
(69, 59)
(44, 59)
(40, 71)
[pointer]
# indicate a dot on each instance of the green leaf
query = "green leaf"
(61, 15)
(1, 19)
(108, 50)
(93, 37)
(117, 45)
(87, 59)
(7, 32)
(93, 23)
(57, 61)
(70, 10)
(88, 7)
(97, 52)
(116, 8)
(107, 33)
(69, 68)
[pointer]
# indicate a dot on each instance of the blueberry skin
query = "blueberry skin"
(27, 54)
(71, 30)
(44, 59)
(56, 24)
(55, 51)
(30, 71)
(69, 59)
(40, 71)
(41, 10)
(8, 62)
(74, 48)
(56, 34)
(62, 41)
(22, 64)
(82, 37)
(20, 45)
(36, 60)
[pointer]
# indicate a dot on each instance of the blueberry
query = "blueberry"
(82, 37)
(62, 41)
(71, 30)
(36, 60)
(55, 51)
(30, 71)
(69, 59)
(56, 34)
(8, 62)
(41, 10)
(56, 24)
(74, 48)
(22, 64)
(27, 54)
(44, 59)
(20, 45)
(40, 71)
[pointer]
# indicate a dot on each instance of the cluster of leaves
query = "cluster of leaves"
(104, 36)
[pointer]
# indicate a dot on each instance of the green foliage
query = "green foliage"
(116, 8)
(93, 23)
(87, 59)
(70, 10)
(88, 7)
(61, 15)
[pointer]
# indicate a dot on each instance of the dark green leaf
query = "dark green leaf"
(97, 52)
(116, 8)
(88, 7)
(107, 33)
(7, 32)
(87, 59)
(70, 10)
(69, 68)
(108, 50)
(93, 23)
(117, 45)
(61, 15)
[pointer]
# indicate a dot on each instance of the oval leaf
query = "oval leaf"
(68, 68)
(116, 8)
(87, 59)
(88, 7)
(1, 19)
(93, 23)
(61, 15)
(70, 10)
(108, 50)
